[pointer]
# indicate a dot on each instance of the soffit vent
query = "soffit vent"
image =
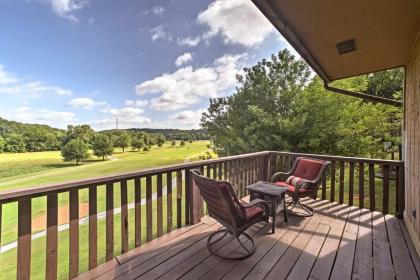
(346, 46)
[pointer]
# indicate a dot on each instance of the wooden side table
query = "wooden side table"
(274, 193)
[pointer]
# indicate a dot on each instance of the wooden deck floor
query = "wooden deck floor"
(338, 242)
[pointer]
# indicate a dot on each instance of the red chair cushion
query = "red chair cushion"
(290, 187)
(308, 168)
(251, 212)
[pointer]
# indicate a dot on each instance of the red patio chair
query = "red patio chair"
(302, 180)
(236, 216)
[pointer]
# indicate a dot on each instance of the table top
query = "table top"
(266, 188)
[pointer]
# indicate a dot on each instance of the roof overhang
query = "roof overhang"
(384, 32)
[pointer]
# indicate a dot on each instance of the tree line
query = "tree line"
(280, 105)
(16, 137)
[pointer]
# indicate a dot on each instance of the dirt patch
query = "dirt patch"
(40, 223)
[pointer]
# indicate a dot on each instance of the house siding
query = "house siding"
(412, 143)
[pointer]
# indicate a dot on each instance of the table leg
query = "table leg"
(273, 213)
(284, 207)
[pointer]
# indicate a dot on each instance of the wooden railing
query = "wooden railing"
(150, 184)
(368, 183)
(171, 202)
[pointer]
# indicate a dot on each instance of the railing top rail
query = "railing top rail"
(341, 158)
(36, 191)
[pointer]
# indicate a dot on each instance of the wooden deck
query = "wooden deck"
(338, 242)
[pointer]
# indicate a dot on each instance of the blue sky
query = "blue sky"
(147, 63)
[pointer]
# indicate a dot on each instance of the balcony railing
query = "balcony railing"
(140, 206)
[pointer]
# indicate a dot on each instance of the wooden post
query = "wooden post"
(24, 240)
(400, 199)
(109, 235)
(74, 233)
(93, 228)
(195, 200)
(52, 220)
(137, 206)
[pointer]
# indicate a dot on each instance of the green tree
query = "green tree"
(14, 143)
(1, 144)
(137, 143)
(182, 143)
(276, 107)
(173, 143)
(160, 140)
(82, 132)
(75, 150)
(386, 83)
(123, 141)
(102, 146)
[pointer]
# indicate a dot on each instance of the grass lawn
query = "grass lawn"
(123, 162)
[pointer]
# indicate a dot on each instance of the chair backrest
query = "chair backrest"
(222, 202)
(308, 168)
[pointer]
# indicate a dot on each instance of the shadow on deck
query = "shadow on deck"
(338, 242)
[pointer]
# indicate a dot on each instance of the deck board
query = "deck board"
(340, 241)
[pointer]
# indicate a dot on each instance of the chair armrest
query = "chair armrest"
(278, 174)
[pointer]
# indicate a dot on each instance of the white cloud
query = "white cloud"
(5, 77)
(128, 117)
(136, 103)
(86, 103)
(66, 8)
(10, 84)
(42, 116)
(188, 41)
(158, 32)
(158, 10)
(187, 86)
(238, 21)
(183, 59)
(186, 119)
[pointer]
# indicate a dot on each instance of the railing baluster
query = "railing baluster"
(93, 233)
(109, 221)
(24, 239)
(169, 202)
(1, 215)
(74, 234)
(124, 216)
(214, 167)
(324, 188)
(351, 183)
(149, 214)
(220, 169)
(361, 185)
(188, 191)
(226, 170)
(159, 203)
(178, 198)
(400, 192)
(137, 206)
(341, 183)
(372, 196)
(332, 189)
(385, 204)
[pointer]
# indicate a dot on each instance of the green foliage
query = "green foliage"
(137, 143)
(75, 150)
(277, 107)
(386, 83)
(83, 132)
(173, 143)
(146, 149)
(1, 144)
(182, 143)
(160, 140)
(102, 146)
(14, 143)
(123, 141)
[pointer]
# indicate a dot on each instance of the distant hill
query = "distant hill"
(13, 127)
